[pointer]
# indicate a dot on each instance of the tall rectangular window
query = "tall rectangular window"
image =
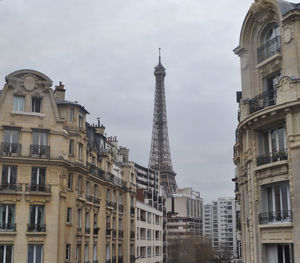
(86, 253)
(7, 217)
(38, 179)
(71, 147)
(6, 253)
(79, 184)
(69, 215)
(71, 115)
(39, 144)
(11, 142)
(36, 218)
(80, 149)
(78, 253)
(70, 181)
(9, 175)
(36, 104)
(18, 103)
(87, 220)
(79, 212)
(80, 121)
(35, 253)
(68, 251)
(94, 252)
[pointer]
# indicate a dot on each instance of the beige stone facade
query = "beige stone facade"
(67, 192)
(267, 149)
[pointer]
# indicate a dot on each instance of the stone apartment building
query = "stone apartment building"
(67, 192)
(267, 148)
(219, 226)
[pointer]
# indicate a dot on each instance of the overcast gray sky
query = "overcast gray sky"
(104, 52)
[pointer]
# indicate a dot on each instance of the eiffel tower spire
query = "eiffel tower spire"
(160, 157)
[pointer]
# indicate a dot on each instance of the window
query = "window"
(149, 252)
(86, 253)
(78, 253)
(11, 142)
(87, 220)
(38, 179)
(94, 252)
(69, 215)
(95, 220)
(71, 147)
(36, 218)
(36, 104)
(107, 256)
(80, 121)
(18, 103)
(149, 217)
(68, 252)
(270, 42)
(40, 143)
(70, 181)
(35, 253)
(95, 190)
(6, 253)
(272, 144)
(79, 212)
(9, 176)
(79, 185)
(277, 204)
(71, 115)
(281, 253)
(87, 188)
(148, 234)
(7, 217)
(80, 149)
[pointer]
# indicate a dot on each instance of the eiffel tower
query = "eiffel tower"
(160, 157)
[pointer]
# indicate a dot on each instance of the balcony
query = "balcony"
(121, 208)
(89, 198)
(10, 188)
(109, 204)
(263, 100)
(96, 230)
(96, 200)
(87, 230)
(38, 188)
(285, 216)
(268, 49)
(101, 173)
(10, 149)
(36, 228)
(41, 151)
(272, 157)
(8, 227)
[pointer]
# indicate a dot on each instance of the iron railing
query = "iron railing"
(42, 151)
(121, 208)
(272, 157)
(38, 188)
(108, 231)
(96, 230)
(96, 200)
(89, 198)
(268, 49)
(8, 227)
(276, 217)
(8, 148)
(87, 230)
(36, 227)
(11, 187)
(263, 100)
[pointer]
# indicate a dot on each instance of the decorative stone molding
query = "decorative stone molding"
(288, 32)
(262, 11)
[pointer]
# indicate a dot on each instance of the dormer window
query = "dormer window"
(36, 104)
(270, 43)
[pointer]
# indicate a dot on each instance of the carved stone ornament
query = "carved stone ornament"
(245, 60)
(288, 33)
(262, 11)
(29, 83)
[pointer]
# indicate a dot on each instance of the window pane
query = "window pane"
(273, 140)
(281, 138)
(39, 253)
(18, 103)
(9, 253)
(30, 253)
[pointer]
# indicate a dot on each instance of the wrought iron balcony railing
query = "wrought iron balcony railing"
(276, 217)
(263, 100)
(96, 230)
(272, 157)
(108, 231)
(42, 151)
(38, 188)
(96, 200)
(121, 208)
(110, 204)
(36, 227)
(87, 230)
(8, 227)
(92, 168)
(11, 187)
(89, 198)
(8, 148)
(268, 49)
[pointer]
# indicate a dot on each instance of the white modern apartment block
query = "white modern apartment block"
(149, 234)
(220, 226)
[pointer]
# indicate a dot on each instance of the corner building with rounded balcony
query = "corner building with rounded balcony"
(267, 148)
(67, 192)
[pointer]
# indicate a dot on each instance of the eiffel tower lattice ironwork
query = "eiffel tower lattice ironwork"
(160, 157)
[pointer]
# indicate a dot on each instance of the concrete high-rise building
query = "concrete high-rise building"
(267, 150)
(160, 156)
(220, 226)
(67, 192)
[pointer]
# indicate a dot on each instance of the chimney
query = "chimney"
(59, 92)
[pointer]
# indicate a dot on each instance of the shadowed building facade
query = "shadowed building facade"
(267, 148)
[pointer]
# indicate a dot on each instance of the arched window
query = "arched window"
(269, 42)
